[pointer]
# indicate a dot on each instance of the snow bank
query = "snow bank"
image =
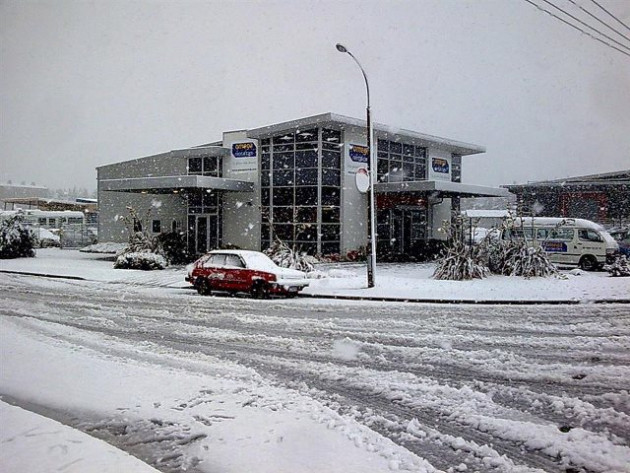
(32, 443)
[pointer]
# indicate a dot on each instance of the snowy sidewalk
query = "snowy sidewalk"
(403, 282)
(33, 443)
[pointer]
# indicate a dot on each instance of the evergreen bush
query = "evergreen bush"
(459, 261)
(174, 248)
(16, 241)
(140, 260)
(287, 257)
(620, 267)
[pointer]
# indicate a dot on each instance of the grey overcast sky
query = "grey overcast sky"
(87, 83)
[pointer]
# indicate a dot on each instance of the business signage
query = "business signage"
(551, 246)
(359, 153)
(440, 165)
(244, 150)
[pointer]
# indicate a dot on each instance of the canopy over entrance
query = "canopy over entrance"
(174, 184)
(441, 189)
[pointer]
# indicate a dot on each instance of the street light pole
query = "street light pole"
(371, 243)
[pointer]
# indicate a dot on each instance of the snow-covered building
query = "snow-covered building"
(603, 198)
(294, 181)
(14, 191)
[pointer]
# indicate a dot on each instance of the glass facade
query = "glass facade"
(400, 162)
(301, 190)
(204, 207)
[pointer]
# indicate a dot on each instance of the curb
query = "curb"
(466, 301)
(387, 299)
(55, 276)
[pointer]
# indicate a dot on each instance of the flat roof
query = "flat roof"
(442, 188)
(203, 150)
(604, 179)
(380, 131)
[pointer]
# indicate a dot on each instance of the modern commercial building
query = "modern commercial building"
(602, 198)
(294, 181)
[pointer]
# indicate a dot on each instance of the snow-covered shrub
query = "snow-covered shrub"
(620, 267)
(139, 239)
(517, 257)
(142, 250)
(174, 248)
(140, 260)
(459, 262)
(286, 257)
(16, 241)
(105, 247)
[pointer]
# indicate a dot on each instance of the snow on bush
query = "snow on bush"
(286, 257)
(141, 251)
(16, 241)
(460, 262)
(620, 267)
(516, 257)
(140, 260)
(174, 247)
(105, 247)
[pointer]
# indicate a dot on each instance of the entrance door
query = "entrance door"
(203, 234)
(408, 228)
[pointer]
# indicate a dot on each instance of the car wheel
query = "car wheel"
(203, 287)
(588, 263)
(260, 290)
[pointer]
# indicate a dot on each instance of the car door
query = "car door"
(236, 275)
(214, 271)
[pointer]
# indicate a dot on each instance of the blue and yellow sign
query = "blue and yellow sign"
(244, 150)
(440, 165)
(554, 246)
(359, 153)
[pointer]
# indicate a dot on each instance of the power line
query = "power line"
(587, 25)
(618, 20)
(599, 20)
(577, 28)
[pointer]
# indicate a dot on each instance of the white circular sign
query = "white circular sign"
(362, 180)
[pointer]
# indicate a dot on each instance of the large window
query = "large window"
(205, 166)
(398, 162)
(456, 169)
(301, 189)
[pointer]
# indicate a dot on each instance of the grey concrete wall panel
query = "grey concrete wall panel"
(354, 217)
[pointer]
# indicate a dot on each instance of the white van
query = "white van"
(567, 241)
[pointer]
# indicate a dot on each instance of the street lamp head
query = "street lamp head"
(341, 48)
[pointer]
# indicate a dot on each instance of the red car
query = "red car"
(244, 271)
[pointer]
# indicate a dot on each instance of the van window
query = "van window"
(564, 234)
(542, 233)
(589, 235)
(517, 232)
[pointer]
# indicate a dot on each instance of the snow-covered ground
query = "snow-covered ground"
(129, 363)
(396, 281)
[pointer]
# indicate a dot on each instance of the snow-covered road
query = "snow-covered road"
(230, 384)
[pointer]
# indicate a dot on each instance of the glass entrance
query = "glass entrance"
(402, 230)
(203, 233)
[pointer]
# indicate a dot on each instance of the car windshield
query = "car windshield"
(260, 261)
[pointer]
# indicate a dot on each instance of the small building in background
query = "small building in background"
(15, 191)
(602, 198)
